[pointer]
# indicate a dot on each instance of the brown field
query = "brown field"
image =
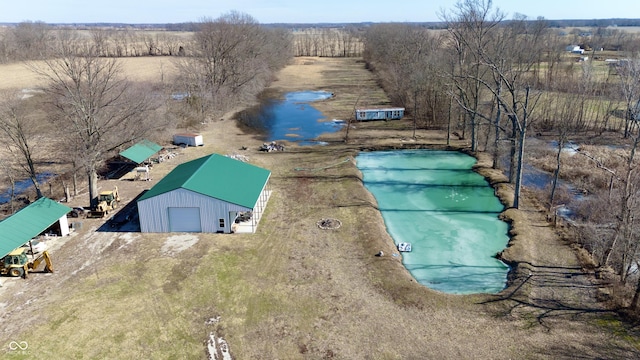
(629, 29)
(293, 291)
(18, 76)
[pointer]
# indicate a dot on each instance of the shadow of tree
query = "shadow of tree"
(547, 293)
(552, 291)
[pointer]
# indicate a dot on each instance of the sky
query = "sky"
(294, 11)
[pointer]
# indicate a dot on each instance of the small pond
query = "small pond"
(449, 213)
(292, 118)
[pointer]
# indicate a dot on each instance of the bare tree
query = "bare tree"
(629, 74)
(470, 27)
(8, 171)
(351, 119)
(406, 58)
(30, 40)
(99, 109)
(21, 129)
(151, 45)
(624, 236)
(100, 38)
(121, 43)
(234, 59)
(565, 126)
(513, 91)
(628, 207)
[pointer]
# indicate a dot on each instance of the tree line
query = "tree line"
(328, 42)
(29, 40)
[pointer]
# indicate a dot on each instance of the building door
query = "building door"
(184, 219)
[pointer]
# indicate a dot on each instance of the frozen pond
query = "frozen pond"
(292, 118)
(434, 200)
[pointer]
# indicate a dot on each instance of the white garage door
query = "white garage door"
(184, 219)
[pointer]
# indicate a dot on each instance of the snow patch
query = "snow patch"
(213, 345)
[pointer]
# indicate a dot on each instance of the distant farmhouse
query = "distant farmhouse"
(575, 49)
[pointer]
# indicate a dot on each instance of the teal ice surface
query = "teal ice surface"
(434, 200)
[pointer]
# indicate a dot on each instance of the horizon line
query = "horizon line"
(292, 23)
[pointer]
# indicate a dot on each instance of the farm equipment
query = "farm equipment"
(17, 263)
(107, 201)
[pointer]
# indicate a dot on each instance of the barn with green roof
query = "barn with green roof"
(209, 194)
(42, 215)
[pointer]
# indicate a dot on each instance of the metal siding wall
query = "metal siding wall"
(151, 217)
(154, 213)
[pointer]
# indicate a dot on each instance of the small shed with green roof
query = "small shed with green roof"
(40, 216)
(209, 194)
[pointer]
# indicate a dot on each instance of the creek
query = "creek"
(23, 185)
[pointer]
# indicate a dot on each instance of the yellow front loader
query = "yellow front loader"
(17, 263)
(107, 201)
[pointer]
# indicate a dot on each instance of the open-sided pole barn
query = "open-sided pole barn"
(40, 216)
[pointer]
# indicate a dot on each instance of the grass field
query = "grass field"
(18, 76)
(292, 290)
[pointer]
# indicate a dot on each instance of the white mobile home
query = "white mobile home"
(379, 114)
(205, 195)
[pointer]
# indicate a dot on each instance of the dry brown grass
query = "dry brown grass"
(589, 169)
(629, 29)
(293, 291)
(17, 76)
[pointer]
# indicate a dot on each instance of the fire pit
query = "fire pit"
(326, 224)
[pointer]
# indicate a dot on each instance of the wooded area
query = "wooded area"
(494, 82)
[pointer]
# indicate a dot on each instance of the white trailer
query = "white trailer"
(379, 114)
(188, 139)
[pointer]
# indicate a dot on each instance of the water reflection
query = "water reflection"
(292, 118)
(541, 180)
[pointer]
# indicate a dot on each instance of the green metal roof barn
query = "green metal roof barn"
(31, 221)
(205, 195)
